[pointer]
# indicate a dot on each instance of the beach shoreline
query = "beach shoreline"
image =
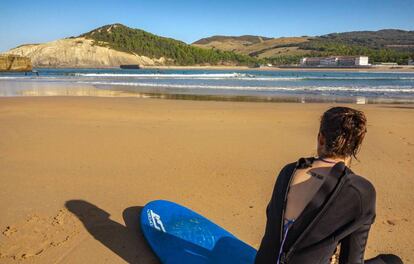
(379, 69)
(120, 91)
(75, 171)
(241, 85)
(399, 68)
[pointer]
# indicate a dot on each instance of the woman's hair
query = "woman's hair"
(344, 129)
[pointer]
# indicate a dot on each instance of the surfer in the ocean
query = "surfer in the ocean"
(318, 203)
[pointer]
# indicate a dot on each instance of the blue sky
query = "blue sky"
(40, 21)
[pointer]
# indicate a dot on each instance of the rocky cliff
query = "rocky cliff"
(15, 63)
(79, 52)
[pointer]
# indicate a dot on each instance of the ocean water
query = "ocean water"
(359, 87)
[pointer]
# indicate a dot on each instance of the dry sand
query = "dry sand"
(75, 171)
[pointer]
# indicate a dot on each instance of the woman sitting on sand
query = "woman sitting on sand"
(319, 203)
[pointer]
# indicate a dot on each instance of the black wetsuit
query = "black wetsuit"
(341, 212)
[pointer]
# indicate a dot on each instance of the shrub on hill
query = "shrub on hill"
(137, 41)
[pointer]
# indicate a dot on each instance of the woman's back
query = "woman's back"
(341, 210)
(304, 185)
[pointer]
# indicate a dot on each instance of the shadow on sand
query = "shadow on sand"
(128, 242)
(125, 241)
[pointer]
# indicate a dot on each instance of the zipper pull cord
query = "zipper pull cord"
(287, 227)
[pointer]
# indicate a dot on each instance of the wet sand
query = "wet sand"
(75, 171)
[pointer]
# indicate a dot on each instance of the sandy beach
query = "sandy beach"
(75, 171)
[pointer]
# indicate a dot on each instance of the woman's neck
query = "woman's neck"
(333, 160)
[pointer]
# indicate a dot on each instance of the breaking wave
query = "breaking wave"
(376, 89)
(238, 76)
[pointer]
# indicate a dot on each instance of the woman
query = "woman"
(319, 203)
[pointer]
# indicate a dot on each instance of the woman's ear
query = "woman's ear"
(321, 144)
(321, 139)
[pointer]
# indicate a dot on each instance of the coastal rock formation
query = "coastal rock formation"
(77, 53)
(15, 63)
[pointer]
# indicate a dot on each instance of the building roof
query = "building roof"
(333, 57)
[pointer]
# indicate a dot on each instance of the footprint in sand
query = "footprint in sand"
(395, 221)
(37, 234)
(9, 231)
(405, 140)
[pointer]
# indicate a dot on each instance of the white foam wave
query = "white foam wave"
(358, 78)
(238, 76)
(215, 76)
(374, 89)
(31, 77)
(161, 75)
(13, 78)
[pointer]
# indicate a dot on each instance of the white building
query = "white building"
(335, 61)
(361, 61)
(328, 61)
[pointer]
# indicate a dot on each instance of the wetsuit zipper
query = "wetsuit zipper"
(281, 257)
(287, 256)
(284, 204)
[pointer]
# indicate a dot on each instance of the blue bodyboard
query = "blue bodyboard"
(178, 235)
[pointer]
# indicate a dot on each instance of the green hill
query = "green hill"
(387, 38)
(388, 45)
(122, 38)
(245, 39)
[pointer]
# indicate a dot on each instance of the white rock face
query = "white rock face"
(79, 53)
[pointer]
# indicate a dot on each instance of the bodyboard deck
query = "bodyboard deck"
(177, 234)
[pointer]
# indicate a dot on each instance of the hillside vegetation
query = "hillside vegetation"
(136, 41)
(381, 46)
(254, 46)
(386, 38)
(244, 40)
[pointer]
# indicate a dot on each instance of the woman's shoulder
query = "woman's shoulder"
(364, 191)
(300, 163)
(288, 168)
(361, 184)
(287, 171)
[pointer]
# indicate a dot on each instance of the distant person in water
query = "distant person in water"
(318, 203)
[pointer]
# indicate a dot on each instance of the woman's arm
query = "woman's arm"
(353, 246)
(267, 252)
(269, 247)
